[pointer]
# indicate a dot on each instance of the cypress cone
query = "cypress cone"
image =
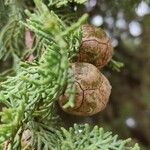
(96, 47)
(92, 90)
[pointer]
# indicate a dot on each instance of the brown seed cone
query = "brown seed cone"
(92, 90)
(25, 141)
(96, 47)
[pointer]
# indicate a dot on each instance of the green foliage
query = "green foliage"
(67, 12)
(3, 14)
(32, 92)
(116, 65)
(88, 138)
(12, 34)
(60, 3)
(29, 95)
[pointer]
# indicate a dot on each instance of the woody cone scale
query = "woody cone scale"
(92, 87)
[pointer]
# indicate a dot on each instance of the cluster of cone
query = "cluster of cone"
(92, 87)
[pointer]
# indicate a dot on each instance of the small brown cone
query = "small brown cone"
(92, 90)
(96, 47)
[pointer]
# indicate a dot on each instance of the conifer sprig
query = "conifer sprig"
(12, 34)
(86, 137)
(60, 3)
(32, 92)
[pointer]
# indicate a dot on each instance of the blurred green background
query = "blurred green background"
(128, 24)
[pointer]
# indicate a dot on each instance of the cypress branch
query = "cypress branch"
(30, 95)
(86, 137)
(32, 92)
(12, 34)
